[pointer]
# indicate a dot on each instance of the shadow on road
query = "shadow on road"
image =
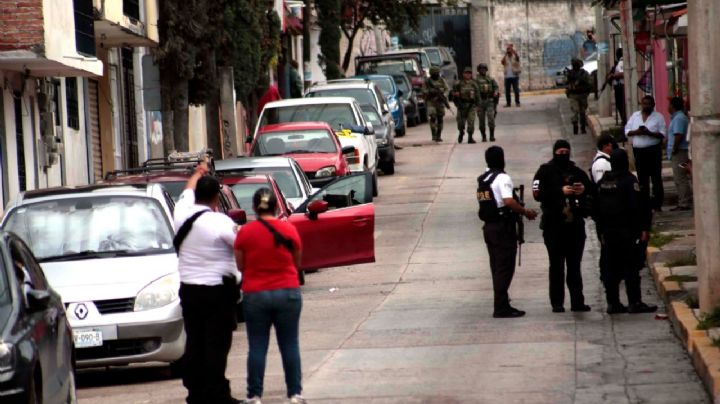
(124, 375)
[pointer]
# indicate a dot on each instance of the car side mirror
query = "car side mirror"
(316, 207)
(400, 93)
(238, 216)
(446, 62)
(38, 300)
(369, 129)
(348, 150)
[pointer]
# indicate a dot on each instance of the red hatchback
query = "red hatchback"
(313, 145)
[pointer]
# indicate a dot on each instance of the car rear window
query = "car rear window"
(306, 141)
(402, 84)
(335, 115)
(283, 176)
(388, 66)
(362, 95)
(244, 193)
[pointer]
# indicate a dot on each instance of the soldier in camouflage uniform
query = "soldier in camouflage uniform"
(579, 87)
(487, 93)
(465, 97)
(436, 100)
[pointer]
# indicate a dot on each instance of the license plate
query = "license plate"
(87, 338)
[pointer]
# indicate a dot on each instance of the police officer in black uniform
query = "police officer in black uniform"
(501, 233)
(560, 186)
(623, 222)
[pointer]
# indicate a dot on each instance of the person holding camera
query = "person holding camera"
(561, 188)
(208, 288)
(268, 253)
(647, 130)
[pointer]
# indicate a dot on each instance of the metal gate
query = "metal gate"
(443, 26)
(95, 143)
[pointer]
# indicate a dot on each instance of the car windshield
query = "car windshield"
(434, 56)
(92, 226)
(385, 84)
(283, 176)
(244, 194)
(304, 141)
(336, 115)
(389, 66)
(402, 84)
(372, 116)
(363, 96)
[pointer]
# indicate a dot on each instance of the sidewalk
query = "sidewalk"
(672, 262)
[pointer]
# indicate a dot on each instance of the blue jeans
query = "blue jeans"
(279, 308)
(513, 82)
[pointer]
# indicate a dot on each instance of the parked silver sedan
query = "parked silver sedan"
(108, 251)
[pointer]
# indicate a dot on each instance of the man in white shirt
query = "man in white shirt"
(501, 234)
(208, 288)
(647, 130)
(601, 161)
(617, 75)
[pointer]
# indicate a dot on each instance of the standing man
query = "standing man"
(601, 162)
(436, 102)
(623, 223)
(677, 152)
(500, 232)
(488, 91)
(295, 82)
(647, 130)
(578, 89)
(511, 67)
(208, 288)
(617, 78)
(559, 185)
(465, 96)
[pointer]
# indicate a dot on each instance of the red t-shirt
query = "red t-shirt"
(265, 265)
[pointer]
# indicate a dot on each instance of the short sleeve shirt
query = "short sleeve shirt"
(655, 122)
(502, 188)
(679, 124)
(619, 69)
(600, 166)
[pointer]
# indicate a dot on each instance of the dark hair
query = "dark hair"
(264, 201)
(605, 139)
(677, 103)
(649, 98)
(207, 189)
(294, 64)
(618, 53)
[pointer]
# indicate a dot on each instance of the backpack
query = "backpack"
(488, 210)
(590, 172)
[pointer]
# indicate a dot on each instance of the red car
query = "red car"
(313, 145)
(336, 224)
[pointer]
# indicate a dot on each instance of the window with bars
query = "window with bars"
(20, 144)
(84, 27)
(71, 101)
(131, 8)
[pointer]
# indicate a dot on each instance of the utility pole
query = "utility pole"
(604, 62)
(629, 57)
(307, 69)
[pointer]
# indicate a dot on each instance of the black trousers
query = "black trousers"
(620, 102)
(565, 244)
(618, 250)
(501, 241)
(209, 315)
(648, 163)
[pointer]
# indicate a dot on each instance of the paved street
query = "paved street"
(416, 326)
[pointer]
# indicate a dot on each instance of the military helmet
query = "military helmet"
(482, 66)
(434, 70)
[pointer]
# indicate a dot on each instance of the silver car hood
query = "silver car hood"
(107, 278)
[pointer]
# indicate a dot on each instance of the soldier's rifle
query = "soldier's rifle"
(436, 92)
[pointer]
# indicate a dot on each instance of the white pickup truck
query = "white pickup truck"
(343, 114)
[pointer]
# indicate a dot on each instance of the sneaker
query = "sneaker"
(253, 400)
(297, 399)
(582, 308)
(616, 308)
(471, 141)
(510, 312)
(641, 308)
(558, 309)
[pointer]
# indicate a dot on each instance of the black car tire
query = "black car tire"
(423, 115)
(375, 191)
(400, 132)
(389, 168)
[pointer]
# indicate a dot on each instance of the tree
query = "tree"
(328, 12)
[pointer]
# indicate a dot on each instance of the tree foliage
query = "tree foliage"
(328, 12)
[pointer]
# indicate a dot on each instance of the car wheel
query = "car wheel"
(400, 132)
(375, 191)
(423, 115)
(389, 168)
(411, 121)
(72, 395)
(176, 368)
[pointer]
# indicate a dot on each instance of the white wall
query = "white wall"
(59, 26)
(75, 141)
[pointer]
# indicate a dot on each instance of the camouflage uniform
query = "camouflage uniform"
(465, 97)
(579, 87)
(487, 88)
(436, 89)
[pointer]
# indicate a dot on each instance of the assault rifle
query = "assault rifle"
(520, 196)
(434, 92)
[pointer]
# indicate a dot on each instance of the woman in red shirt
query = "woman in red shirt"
(268, 253)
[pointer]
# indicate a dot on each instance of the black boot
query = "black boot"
(484, 138)
(460, 137)
(583, 125)
(492, 134)
(470, 139)
(575, 128)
